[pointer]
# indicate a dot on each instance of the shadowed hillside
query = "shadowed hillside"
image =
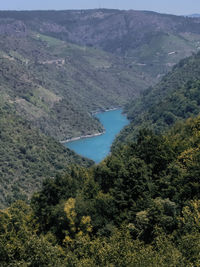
(175, 98)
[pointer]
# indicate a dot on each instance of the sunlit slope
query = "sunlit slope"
(149, 41)
(57, 85)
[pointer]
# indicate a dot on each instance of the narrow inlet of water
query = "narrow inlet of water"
(98, 147)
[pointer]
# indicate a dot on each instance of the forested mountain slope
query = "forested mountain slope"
(27, 157)
(175, 98)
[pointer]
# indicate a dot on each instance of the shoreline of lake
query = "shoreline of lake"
(81, 137)
(89, 135)
(105, 110)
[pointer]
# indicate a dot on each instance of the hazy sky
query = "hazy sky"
(180, 7)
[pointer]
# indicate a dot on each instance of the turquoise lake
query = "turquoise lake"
(98, 147)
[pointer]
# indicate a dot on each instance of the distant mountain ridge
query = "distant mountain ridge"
(99, 27)
(149, 41)
(194, 15)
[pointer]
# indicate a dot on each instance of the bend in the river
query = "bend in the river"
(98, 147)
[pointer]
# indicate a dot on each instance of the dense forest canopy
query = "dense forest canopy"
(139, 207)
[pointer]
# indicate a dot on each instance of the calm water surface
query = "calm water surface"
(98, 147)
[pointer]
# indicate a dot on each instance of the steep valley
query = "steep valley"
(58, 67)
(57, 85)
